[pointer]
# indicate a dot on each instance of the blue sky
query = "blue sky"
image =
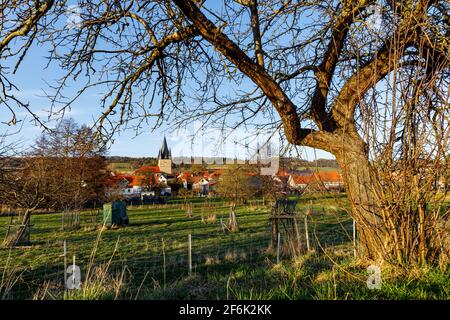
(32, 78)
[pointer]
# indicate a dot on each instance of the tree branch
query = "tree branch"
(256, 32)
(157, 53)
(325, 71)
(383, 62)
(276, 95)
(27, 25)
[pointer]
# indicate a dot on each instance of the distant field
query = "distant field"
(151, 254)
(124, 167)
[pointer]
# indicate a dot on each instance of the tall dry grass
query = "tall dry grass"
(100, 282)
(10, 277)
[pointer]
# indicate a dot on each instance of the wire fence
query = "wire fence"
(192, 245)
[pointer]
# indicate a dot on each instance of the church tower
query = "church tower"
(165, 158)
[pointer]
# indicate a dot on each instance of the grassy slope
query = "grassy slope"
(123, 167)
(235, 265)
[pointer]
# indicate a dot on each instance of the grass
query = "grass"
(123, 167)
(130, 263)
(140, 244)
(312, 278)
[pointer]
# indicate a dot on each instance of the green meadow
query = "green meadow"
(149, 258)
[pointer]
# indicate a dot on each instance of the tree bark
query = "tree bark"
(361, 187)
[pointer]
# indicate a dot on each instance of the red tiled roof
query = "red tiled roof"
(322, 176)
(184, 175)
(117, 178)
(140, 181)
(133, 180)
(302, 179)
(282, 173)
(196, 179)
(328, 176)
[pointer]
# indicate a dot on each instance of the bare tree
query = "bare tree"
(318, 70)
(63, 171)
(80, 166)
(238, 183)
(27, 186)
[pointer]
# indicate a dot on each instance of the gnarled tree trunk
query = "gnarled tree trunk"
(396, 218)
(361, 191)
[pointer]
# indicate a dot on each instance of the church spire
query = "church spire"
(164, 152)
(165, 158)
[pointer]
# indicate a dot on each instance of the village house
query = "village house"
(150, 181)
(145, 180)
(202, 183)
(121, 184)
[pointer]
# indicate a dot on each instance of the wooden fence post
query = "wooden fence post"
(278, 249)
(164, 262)
(297, 235)
(354, 238)
(65, 265)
